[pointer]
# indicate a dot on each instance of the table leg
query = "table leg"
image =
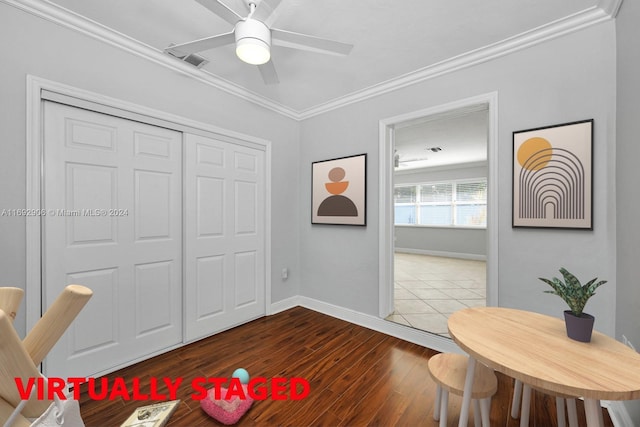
(517, 398)
(466, 396)
(592, 411)
(526, 405)
(560, 411)
(572, 412)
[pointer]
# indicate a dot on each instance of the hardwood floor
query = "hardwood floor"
(357, 377)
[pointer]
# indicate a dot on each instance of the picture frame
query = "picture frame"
(553, 176)
(155, 415)
(339, 191)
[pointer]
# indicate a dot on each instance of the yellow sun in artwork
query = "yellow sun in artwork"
(536, 147)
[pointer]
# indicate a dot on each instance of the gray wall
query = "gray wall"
(442, 241)
(30, 45)
(566, 79)
(562, 80)
(455, 241)
(627, 179)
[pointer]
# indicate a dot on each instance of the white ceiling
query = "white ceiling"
(461, 136)
(391, 38)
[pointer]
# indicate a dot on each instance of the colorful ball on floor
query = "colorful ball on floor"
(242, 375)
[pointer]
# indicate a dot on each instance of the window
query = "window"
(454, 203)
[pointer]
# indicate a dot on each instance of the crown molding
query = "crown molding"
(552, 30)
(59, 15)
(603, 11)
(610, 7)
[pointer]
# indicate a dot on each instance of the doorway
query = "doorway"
(438, 252)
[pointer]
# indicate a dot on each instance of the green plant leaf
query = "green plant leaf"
(571, 291)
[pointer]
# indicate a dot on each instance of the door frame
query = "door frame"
(38, 90)
(386, 171)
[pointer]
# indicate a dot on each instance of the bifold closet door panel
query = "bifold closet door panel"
(224, 235)
(112, 192)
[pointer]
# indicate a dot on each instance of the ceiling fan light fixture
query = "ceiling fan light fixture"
(253, 51)
(253, 42)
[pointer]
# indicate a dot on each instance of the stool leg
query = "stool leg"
(572, 412)
(600, 416)
(466, 395)
(592, 410)
(526, 404)
(436, 407)
(517, 397)
(477, 421)
(485, 410)
(560, 412)
(444, 402)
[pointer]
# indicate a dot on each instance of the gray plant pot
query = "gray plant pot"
(579, 328)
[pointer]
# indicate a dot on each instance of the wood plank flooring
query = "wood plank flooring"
(357, 377)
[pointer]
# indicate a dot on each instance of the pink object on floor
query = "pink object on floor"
(226, 411)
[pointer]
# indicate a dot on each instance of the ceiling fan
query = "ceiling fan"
(253, 37)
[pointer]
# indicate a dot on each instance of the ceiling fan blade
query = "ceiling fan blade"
(268, 72)
(309, 43)
(202, 44)
(265, 12)
(221, 10)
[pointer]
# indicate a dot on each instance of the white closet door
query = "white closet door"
(224, 235)
(112, 190)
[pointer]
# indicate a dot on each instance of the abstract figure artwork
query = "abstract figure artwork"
(552, 176)
(338, 194)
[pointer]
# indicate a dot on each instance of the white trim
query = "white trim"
(33, 284)
(440, 227)
(590, 16)
(469, 165)
(617, 410)
(416, 336)
(610, 7)
(103, 103)
(386, 190)
(285, 304)
(59, 15)
(458, 255)
(386, 232)
(267, 229)
(492, 203)
(605, 10)
(34, 137)
(406, 333)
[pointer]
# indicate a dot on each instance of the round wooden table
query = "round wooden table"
(534, 348)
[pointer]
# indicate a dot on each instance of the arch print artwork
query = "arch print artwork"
(552, 176)
(338, 191)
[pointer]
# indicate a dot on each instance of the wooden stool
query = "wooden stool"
(449, 370)
(525, 390)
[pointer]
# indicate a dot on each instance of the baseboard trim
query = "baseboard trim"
(617, 410)
(459, 255)
(285, 304)
(406, 333)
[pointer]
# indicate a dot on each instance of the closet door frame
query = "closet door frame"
(38, 90)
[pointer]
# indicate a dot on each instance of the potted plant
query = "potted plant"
(579, 324)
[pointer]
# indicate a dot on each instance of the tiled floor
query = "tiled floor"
(429, 288)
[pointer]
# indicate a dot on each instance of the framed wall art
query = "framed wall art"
(339, 191)
(553, 176)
